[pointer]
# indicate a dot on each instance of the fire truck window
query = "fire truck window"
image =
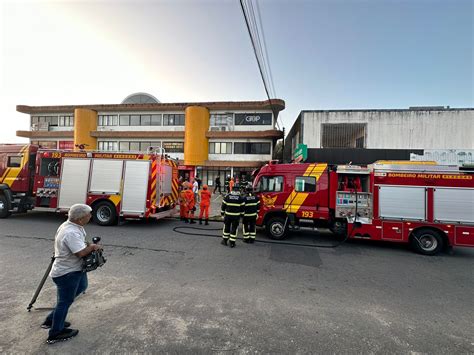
(305, 184)
(49, 167)
(271, 184)
(14, 162)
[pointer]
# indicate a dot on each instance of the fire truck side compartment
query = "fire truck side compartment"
(401, 202)
(74, 182)
(133, 194)
(454, 205)
(106, 176)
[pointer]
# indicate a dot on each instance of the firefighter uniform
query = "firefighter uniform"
(251, 209)
(190, 203)
(204, 204)
(183, 205)
(231, 209)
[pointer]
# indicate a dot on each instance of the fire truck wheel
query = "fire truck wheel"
(104, 213)
(339, 228)
(276, 228)
(427, 241)
(4, 213)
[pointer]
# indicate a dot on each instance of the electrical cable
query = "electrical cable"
(258, 61)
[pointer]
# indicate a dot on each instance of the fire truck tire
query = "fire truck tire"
(339, 228)
(4, 213)
(427, 241)
(104, 213)
(276, 229)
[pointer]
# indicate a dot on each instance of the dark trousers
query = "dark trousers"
(69, 286)
(231, 223)
(218, 186)
(248, 227)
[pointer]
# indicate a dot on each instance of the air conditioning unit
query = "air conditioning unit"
(214, 128)
(42, 126)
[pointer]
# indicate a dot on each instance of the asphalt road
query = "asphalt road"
(161, 291)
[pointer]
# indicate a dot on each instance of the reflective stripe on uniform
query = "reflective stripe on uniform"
(251, 204)
(249, 214)
(233, 204)
(232, 213)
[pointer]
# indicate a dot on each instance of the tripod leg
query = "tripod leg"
(40, 286)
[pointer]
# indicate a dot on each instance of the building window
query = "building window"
(219, 119)
(343, 135)
(305, 184)
(44, 122)
(108, 146)
(134, 120)
(173, 147)
(156, 120)
(124, 120)
(173, 120)
(220, 148)
(107, 120)
(66, 121)
(140, 120)
(134, 146)
(252, 148)
(46, 144)
(270, 184)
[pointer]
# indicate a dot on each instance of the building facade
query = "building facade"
(357, 135)
(208, 138)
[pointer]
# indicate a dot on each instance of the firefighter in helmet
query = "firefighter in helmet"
(231, 209)
(251, 209)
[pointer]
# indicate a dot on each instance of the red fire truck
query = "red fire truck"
(127, 185)
(430, 206)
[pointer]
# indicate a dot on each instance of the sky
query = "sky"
(323, 54)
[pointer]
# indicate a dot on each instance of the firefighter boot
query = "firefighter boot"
(186, 220)
(206, 222)
(224, 241)
(200, 220)
(192, 221)
(232, 244)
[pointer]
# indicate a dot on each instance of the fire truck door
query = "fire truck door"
(135, 186)
(74, 182)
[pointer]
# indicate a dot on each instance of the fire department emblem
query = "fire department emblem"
(269, 201)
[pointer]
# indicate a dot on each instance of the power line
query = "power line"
(257, 49)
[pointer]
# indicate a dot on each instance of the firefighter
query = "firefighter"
(190, 203)
(231, 209)
(183, 206)
(204, 205)
(251, 209)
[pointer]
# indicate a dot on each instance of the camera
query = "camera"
(94, 260)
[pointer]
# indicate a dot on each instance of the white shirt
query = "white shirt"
(195, 187)
(70, 238)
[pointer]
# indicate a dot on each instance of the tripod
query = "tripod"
(41, 284)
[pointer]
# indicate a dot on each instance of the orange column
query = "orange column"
(196, 144)
(85, 121)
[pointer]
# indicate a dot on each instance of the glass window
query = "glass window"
(305, 184)
(134, 146)
(145, 120)
(252, 148)
(270, 184)
(14, 162)
(156, 120)
(144, 146)
(212, 146)
(134, 120)
(124, 146)
(125, 120)
(34, 119)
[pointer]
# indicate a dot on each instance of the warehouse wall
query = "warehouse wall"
(399, 129)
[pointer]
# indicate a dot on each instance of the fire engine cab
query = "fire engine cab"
(127, 185)
(430, 206)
